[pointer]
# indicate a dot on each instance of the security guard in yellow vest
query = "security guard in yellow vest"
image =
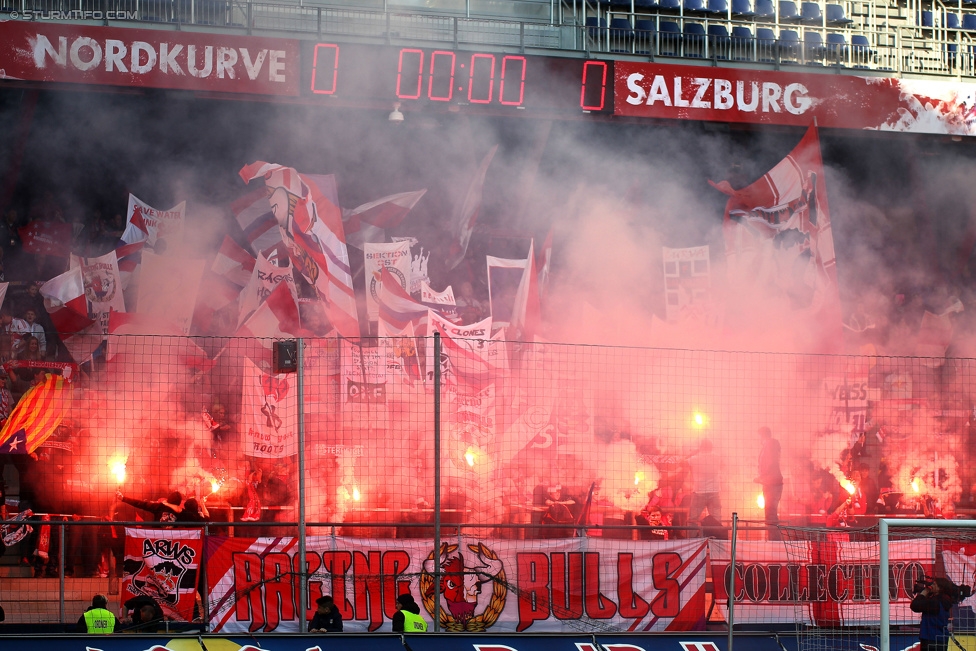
(407, 618)
(97, 619)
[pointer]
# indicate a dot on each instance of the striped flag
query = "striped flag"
(36, 416)
(253, 214)
(307, 210)
(233, 263)
(399, 312)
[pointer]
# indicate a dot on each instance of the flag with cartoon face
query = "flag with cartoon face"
(163, 565)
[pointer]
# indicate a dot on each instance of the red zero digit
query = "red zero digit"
(440, 85)
(593, 91)
(482, 70)
(410, 74)
(513, 76)
(325, 55)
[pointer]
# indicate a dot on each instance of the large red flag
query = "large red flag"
(47, 238)
(788, 205)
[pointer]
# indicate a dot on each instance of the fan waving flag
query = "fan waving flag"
(468, 214)
(307, 210)
(785, 215)
(36, 416)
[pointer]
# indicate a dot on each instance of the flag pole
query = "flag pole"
(437, 480)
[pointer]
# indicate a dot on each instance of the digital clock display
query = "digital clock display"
(409, 75)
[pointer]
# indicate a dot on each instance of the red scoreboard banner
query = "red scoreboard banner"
(148, 58)
(793, 97)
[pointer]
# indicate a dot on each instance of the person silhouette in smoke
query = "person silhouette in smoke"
(771, 479)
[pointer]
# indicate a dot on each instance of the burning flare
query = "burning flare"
(761, 501)
(117, 466)
(849, 486)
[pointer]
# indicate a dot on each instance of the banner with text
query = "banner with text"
(162, 564)
(496, 585)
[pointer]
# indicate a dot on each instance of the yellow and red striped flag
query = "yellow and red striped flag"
(36, 416)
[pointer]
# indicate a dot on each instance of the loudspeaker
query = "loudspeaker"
(285, 356)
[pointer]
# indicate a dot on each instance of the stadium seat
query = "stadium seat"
(969, 22)
(925, 19)
(644, 36)
(765, 10)
(813, 47)
(787, 12)
(861, 52)
(621, 35)
(695, 6)
(789, 44)
(594, 26)
(742, 9)
(765, 45)
(669, 5)
(952, 21)
(719, 42)
(694, 40)
(742, 44)
(836, 48)
(646, 5)
(669, 39)
(810, 14)
(837, 17)
(718, 7)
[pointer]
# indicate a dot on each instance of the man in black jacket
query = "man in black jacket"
(164, 509)
(327, 618)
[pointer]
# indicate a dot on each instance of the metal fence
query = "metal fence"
(501, 440)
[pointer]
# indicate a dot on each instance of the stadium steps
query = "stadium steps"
(28, 600)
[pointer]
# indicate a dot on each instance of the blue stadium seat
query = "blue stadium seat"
(952, 21)
(742, 9)
(836, 48)
(646, 5)
(644, 36)
(861, 52)
(810, 14)
(925, 20)
(669, 5)
(788, 12)
(719, 42)
(765, 45)
(669, 38)
(969, 22)
(788, 44)
(765, 10)
(813, 47)
(695, 6)
(742, 44)
(718, 7)
(837, 17)
(694, 40)
(621, 35)
(594, 26)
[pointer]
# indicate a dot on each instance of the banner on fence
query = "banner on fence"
(162, 564)
(820, 583)
(497, 585)
(396, 258)
(269, 413)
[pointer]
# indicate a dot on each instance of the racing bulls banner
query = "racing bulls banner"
(486, 584)
(818, 583)
(162, 564)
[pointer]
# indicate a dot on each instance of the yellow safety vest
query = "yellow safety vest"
(413, 623)
(99, 621)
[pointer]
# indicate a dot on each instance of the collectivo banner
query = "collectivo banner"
(818, 583)
(162, 564)
(34, 51)
(493, 585)
(654, 90)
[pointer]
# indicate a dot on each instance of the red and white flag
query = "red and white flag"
(269, 413)
(789, 205)
(468, 214)
(526, 312)
(544, 261)
(399, 312)
(264, 278)
(103, 287)
(46, 238)
(138, 334)
(370, 221)
(233, 262)
(150, 225)
(253, 214)
(66, 304)
(395, 259)
(163, 564)
(306, 208)
(129, 258)
(464, 352)
(504, 277)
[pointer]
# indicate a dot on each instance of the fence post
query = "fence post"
(318, 21)
(61, 549)
(522, 38)
(437, 479)
(249, 17)
(455, 32)
(730, 588)
(884, 641)
(302, 573)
